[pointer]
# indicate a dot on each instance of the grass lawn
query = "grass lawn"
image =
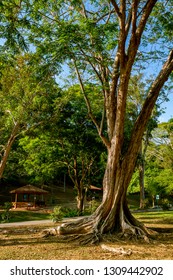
(27, 242)
(24, 215)
(156, 217)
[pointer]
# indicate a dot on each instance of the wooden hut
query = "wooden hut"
(29, 196)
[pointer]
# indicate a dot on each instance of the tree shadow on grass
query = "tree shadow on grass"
(33, 236)
(23, 236)
(29, 244)
(162, 230)
(157, 222)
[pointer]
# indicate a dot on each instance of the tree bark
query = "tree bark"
(80, 200)
(8, 148)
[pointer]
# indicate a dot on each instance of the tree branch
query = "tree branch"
(84, 10)
(149, 103)
(134, 16)
(128, 22)
(146, 13)
(8, 148)
(137, 30)
(111, 96)
(117, 10)
(92, 65)
(123, 35)
(14, 121)
(104, 139)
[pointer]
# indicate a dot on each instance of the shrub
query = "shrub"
(68, 212)
(165, 204)
(146, 203)
(93, 205)
(62, 212)
(5, 216)
(57, 214)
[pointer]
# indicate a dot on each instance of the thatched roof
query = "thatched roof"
(29, 189)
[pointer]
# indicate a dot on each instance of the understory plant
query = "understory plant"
(5, 216)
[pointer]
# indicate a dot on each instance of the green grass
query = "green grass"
(20, 216)
(159, 217)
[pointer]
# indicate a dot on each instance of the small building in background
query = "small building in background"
(29, 196)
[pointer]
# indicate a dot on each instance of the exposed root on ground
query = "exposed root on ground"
(49, 232)
(84, 239)
(117, 251)
(136, 232)
(87, 231)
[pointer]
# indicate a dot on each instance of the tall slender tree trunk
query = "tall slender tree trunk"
(80, 200)
(141, 168)
(8, 148)
(141, 183)
(78, 176)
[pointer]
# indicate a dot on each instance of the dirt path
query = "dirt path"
(37, 222)
(26, 223)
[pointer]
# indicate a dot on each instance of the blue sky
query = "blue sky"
(168, 109)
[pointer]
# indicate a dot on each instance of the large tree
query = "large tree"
(126, 22)
(105, 42)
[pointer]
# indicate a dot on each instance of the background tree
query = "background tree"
(81, 148)
(24, 89)
(136, 96)
(60, 147)
(158, 167)
(160, 156)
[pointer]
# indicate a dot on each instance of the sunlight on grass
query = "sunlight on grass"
(160, 217)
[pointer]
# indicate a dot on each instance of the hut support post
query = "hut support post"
(15, 206)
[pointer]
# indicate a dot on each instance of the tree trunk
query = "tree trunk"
(113, 214)
(80, 200)
(141, 169)
(153, 201)
(8, 148)
(78, 179)
(141, 183)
